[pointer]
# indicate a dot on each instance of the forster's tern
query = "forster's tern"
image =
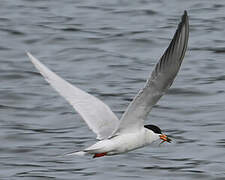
(119, 136)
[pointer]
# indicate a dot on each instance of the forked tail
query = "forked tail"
(82, 153)
(77, 153)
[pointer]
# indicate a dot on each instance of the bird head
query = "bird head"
(157, 130)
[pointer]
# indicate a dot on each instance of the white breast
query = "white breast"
(124, 142)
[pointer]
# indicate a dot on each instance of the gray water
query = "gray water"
(109, 48)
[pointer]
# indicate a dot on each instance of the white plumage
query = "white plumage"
(129, 133)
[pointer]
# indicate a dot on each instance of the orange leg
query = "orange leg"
(99, 155)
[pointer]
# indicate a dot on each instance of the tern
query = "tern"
(129, 133)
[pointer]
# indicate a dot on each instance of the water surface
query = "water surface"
(108, 49)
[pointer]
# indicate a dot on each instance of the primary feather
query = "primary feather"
(161, 79)
(95, 113)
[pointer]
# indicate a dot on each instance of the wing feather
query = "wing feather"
(161, 79)
(95, 113)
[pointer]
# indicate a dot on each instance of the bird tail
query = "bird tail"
(76, 153)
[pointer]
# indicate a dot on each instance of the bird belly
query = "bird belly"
(119, 144)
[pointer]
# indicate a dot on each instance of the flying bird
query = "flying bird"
(119, 136)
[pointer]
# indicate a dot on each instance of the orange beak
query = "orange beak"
(164, 138)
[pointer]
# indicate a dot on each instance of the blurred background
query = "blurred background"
(109, 48)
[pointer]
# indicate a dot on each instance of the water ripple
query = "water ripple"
(108, 48)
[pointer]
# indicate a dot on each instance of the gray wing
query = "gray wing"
(161, 79)
(95, 113)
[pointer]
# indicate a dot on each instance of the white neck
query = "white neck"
(150, 136)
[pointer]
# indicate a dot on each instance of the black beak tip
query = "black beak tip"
(169, 140)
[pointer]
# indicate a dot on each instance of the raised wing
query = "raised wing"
(161, 79)
(95, 113)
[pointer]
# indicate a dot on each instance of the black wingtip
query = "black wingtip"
(185, 16)
(184, 22)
